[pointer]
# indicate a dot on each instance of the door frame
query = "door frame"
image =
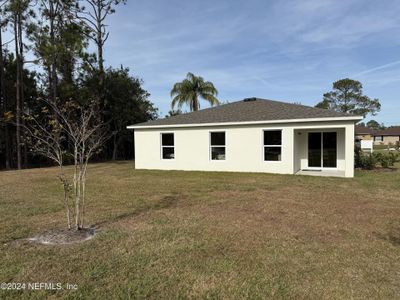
(322, 150)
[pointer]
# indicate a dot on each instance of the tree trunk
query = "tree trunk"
(65, 183)
(76, 189)
(4, 103)
(101, 78)
(115, 148)
(18, 90)
(53, 70)
(83, 200)
(100, 52)
(195, 103)
(99, 42)
(22, 104)
(100, 58)
(78, 203)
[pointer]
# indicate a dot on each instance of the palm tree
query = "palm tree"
(190, 90)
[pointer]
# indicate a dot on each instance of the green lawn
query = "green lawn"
(383, 147)
(170, 234)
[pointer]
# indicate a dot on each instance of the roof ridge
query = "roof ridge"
(302, 105)
(243, 100)
(245, 110)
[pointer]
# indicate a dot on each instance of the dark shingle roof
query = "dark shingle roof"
(247, 110)
(363, 130)
(394, 130)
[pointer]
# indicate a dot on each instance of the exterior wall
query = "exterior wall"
(349, 151)
(390, 139)
(364, 136)
(244, 148)
(378, 140)
(386, 139)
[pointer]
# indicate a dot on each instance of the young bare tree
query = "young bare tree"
(67, 129)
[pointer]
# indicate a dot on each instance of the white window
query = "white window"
(272, 145)
(379, 138)
(167, 146)
(217, 145)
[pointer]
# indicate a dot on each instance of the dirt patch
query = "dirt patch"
(64, 236)
(392, 234)
(167, 202)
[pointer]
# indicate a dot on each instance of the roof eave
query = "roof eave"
(327, 119)
(387, 134)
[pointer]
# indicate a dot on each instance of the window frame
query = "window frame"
(162, 147)
(270, 146)
(210, 146)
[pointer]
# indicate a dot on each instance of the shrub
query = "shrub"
(357, 156)
(369, 161)
(393, 158)
(382, 159)
(386, 159)
(363, 160)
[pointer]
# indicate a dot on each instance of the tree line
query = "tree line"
(57, 35)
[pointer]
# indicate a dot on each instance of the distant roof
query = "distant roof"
(394, 130)
(364, 130)
(247, 110)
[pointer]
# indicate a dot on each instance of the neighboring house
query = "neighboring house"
(389, 136)
(364, 138)
(364, 133)
(252, 135)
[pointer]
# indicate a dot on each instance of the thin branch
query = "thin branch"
(10, 41)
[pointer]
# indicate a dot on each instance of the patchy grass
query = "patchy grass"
(171, 234)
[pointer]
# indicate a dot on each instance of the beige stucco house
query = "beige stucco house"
(252, 135)
(364, 133)
(389, 136)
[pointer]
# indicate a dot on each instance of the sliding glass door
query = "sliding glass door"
(322, 149)
(329, 151)
(314, 149)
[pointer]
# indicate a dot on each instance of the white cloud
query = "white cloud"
(280, 49)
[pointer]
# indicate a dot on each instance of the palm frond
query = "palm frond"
(211, 99)
(191, 77)
(190, 90)
(176, 89)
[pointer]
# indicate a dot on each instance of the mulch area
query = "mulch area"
(64, 236)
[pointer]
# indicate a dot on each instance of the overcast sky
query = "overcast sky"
(282, 50)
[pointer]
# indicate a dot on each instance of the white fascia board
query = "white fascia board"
(331, 119)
